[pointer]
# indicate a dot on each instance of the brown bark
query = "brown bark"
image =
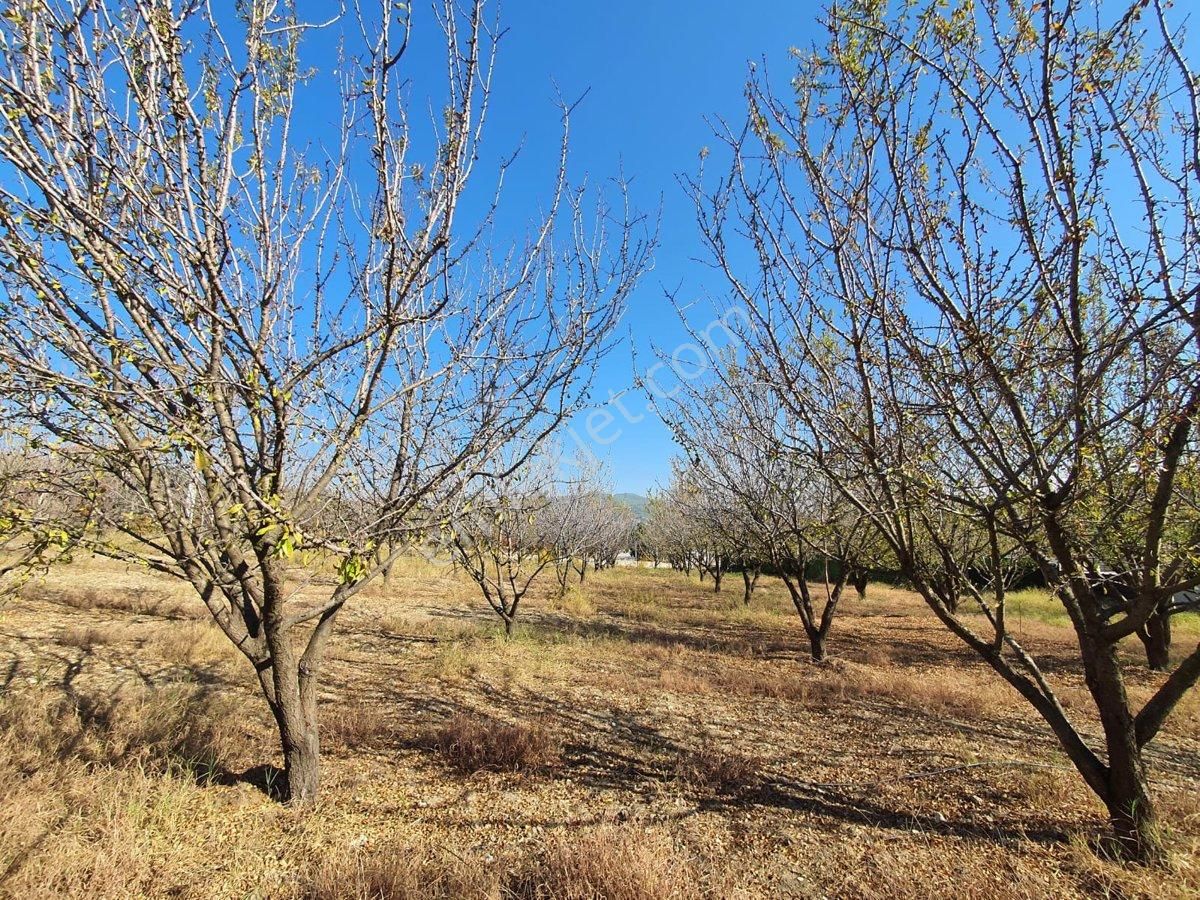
(292, 695)
(750, 578)
(1156, 637)
(860, 584)
(1127, 797)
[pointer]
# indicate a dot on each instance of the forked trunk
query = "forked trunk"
(749, 579)
(1127, 796)
(293, 701)
(1156, 637)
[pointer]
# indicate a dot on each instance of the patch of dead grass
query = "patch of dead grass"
(473, 743)
(136, 600)
(88, 637)
(608, 864)
(400, 873)
(171, 728)
(194, 644)
(712, 768)
(832, 684)
(355, 725)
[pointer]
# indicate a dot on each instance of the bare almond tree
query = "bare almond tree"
(672, 530)
(280, 343)
(769, 501)
(41, 523)
(564, 527)
(972, 235)
(610, 526)
(496, 538)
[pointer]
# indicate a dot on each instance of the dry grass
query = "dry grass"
(356, 725)
(1045, 787)
(1180, 809)
(194, 645)
(737, 767)
(712, 768)
(400, 873)
(88, 637)
(838, 683)
(575, 602)
(472, 743)
(608, 864)
(603, 864)
(141, 602)
(168, 729)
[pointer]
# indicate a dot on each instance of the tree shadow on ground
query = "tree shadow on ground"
(622, 754)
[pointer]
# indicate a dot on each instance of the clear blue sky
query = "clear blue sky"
(653, 72)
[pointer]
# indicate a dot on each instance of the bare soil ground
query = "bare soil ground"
(643, 738)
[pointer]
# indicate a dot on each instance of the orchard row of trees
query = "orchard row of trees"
(513, 528)
(962, 334)
(963, 322)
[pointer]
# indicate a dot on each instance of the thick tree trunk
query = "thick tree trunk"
(583, 571)
(289, 682)
(816, 642)
(1130, 808)
(1156, 637)
(717, 576)
(293, 703)
(300, 740)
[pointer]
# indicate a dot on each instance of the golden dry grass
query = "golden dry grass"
(684, 747)
(473, 743)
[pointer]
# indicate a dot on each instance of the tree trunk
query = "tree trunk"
(860, 584)
(583, 570)
(1130, 809)
(292, 699)
(816, 642)
(717, 576)
(508, 627)
(1156, 637)
(749, 581)
(300, 740)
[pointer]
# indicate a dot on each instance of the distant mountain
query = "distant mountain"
(636, 502)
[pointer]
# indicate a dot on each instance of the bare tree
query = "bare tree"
(563, 528)
(671, 529)
(496, 538)
(277, 343)
(610, 530)
(974, 287)
(40, 522)
(774, 503)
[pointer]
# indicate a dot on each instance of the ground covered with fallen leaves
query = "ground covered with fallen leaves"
(642, 737)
